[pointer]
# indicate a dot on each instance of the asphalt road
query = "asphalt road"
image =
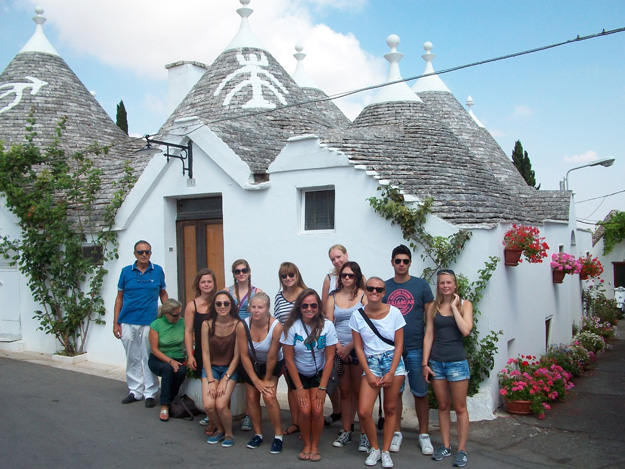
(57, 418)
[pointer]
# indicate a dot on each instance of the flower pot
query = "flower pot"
(518, 407)
(512, 256)
(558, 276)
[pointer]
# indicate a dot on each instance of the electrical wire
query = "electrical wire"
(601, 197)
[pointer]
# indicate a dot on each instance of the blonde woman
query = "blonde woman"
(445, 363)
(167, 357)
(262, 363)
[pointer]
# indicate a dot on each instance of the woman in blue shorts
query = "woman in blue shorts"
(448, 320)
(378, 333)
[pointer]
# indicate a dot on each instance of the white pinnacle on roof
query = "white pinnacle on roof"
(470, 104)
(300, 75)
(245, 37)
(38, 41)
(430, 82)
(397, 91)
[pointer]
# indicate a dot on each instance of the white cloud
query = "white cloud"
(522, 111)
(585, 157)
(143, 35)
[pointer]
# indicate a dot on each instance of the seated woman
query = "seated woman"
(220, 355)
(378, 335)
(447, 322)
(262, 362)
(309, 343)
(167, 344)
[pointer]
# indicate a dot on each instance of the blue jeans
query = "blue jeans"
(418, 385)
(170, 380)
(451, 371)
(219, 372)
(380, 364)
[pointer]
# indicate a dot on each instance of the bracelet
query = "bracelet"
(300, 388)
(427, 364)
(322, 388)
(211, 381)
(170, 361)
(228, 376)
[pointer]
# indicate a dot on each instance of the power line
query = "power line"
(601, 197)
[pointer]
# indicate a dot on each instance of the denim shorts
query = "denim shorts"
(418, 384)
(380, 364)
(220, 371)
(451, 371)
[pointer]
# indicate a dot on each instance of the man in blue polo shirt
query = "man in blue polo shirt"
(411, 295)
(136, 306)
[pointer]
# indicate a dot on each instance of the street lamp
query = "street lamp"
(605, 162)
(186, 149)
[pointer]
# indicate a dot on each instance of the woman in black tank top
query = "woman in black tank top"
(448, 320)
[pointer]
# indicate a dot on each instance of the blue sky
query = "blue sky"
(566, 105)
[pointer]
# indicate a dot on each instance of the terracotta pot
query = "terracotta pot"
(511, 256)
(518, 407)
(558, 275)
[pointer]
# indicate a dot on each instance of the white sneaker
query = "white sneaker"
(364, 445)
(373, 458)
(343, 439)
(246, 423)
(386, 459)
(396, 442)
(426, 444)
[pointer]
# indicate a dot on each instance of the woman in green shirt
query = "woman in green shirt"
(167, 357)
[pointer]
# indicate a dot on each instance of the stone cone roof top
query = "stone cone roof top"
(42, 83)
(249, 101)
(407, 145)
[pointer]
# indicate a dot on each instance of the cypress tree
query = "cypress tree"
(523, 165)
(122, 117)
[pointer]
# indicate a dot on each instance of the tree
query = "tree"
(522, 163)
(122, 117)
(614, 231)
(62, 250)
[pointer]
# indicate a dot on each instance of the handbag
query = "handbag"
(255, 362)
(333, 381)
(183, 407)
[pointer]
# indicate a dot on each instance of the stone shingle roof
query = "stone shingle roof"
(63, 95)
(256, 136)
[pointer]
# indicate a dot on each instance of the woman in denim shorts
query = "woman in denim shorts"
(448, 320)
(379, 352)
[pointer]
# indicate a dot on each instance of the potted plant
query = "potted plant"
(591, 267)
(562, 264)
(524, 240)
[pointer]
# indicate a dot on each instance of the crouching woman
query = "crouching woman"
(167, 357)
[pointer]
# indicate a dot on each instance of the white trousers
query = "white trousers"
(140, 379)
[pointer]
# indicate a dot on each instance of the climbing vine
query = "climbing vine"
(62, 248)
(442, 252)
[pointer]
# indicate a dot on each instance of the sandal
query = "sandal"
(314, 457)
(164, 416)
(303, 456)
(288, 430)
(210, 429)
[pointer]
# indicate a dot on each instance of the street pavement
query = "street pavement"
(52, 417)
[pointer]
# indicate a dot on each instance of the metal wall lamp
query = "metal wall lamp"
(187, 159)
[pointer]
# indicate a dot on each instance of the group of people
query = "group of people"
(356, 342)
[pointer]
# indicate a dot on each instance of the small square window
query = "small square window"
(318, 209)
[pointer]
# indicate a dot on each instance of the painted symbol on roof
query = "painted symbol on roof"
(256, 68)
(18, 89)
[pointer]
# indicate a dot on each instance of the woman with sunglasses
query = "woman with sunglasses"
(308, 343)
(291, 285)
(167, 357)
(220, 355)
(378, 335)
(242, 290)
(262, 363)
(348, 298)
(448, 320)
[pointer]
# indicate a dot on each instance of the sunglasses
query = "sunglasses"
(346, 275)
(377, 289)
(177, 315)
(244, 270)
(143, 251)
(445, 271)
(309, 306)
(219, 304)
(290, 275)
(399, 261)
